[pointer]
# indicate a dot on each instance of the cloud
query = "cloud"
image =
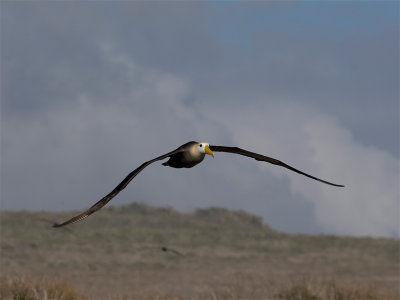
(56, 155)
(84, 103)
(369, 203)
(77, 152)
(317, 144)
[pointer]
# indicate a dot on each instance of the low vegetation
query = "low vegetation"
(29, 288)
(210, 254)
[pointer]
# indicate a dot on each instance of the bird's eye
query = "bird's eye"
(201, 145)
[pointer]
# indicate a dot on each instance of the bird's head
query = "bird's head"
(205, 148)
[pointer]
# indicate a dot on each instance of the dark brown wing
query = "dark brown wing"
(98, 205)
(260, 157)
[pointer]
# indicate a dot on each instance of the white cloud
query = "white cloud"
(368, 205)
(315, 143)
(66, 152)
(72, 154)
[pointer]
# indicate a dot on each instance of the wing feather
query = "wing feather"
(271, 160)
(99, 204)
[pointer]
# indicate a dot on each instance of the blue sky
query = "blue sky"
(330, 17)
(90, 90)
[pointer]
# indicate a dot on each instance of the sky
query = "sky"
(92, 89)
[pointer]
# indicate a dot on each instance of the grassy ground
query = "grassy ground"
(211, 254)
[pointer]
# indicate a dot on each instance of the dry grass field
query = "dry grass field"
(211, 254)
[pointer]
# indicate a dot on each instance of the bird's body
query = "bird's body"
(185, 156)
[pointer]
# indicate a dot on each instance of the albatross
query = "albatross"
(185, 156)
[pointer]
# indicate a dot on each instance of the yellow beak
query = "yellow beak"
(208, 151)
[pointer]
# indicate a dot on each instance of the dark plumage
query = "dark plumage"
(184, 159)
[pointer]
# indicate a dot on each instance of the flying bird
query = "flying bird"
(185, 156)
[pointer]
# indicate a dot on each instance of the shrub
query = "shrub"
(30, 288)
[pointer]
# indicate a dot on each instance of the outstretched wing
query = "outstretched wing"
(98, 205)
(260, 157)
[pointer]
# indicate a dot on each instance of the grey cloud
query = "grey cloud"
(90, 90)
(82, 151)
(369, 202)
